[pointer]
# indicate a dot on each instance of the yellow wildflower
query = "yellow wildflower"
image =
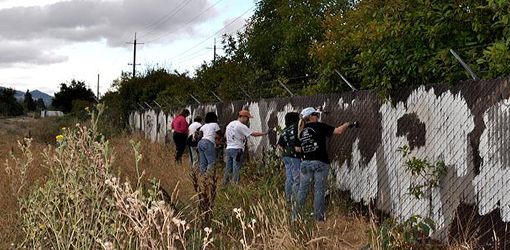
(63, 128)
(60, 137)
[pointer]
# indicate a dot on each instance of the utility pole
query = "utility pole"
(214, 50)
(134, 56)
(97, 87)
(214, 58)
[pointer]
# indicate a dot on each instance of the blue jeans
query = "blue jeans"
(316, 171)
(234, 162)
(207, 155)
(292, 177)
(193, 156)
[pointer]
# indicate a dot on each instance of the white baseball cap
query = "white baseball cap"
(308, 111)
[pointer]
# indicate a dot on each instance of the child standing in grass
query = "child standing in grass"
(315, 165)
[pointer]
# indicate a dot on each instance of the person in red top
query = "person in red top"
(180, 128)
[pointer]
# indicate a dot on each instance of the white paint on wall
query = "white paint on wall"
(209, 108)
(136, 120)
(359, 179)
(281, 114)
(343, 104)
(255, 126)
(162, 123)
(151, 119)
(448, 121)
(492, 185)
(403, 205)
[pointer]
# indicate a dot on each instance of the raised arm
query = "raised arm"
(342, 128)
(257, 134)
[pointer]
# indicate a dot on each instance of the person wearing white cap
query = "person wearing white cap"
(237, 132)
(315, 165)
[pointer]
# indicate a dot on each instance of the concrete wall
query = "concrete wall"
(466, 126)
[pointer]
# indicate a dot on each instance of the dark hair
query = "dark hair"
(198, 119)
(211, 117)
(184, 112)
(291, 118)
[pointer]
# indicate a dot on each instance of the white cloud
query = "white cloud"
(90, 21)
(33, 52)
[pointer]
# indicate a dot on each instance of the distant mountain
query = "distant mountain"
(36, 94)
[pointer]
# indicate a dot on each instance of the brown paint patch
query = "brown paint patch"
(410, 126)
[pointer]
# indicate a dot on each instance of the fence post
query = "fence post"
(285, 87)
(345, 80)
(196, 100)
(157, 104)
(465, 66)
(215, 95)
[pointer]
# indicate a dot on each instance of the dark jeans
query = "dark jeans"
(180, 145)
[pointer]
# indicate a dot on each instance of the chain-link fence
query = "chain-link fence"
(463, 130)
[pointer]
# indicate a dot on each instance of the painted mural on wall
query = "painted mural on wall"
(466, 126)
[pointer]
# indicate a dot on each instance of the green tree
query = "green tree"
(29, 101)
(159, 85)
(40, 104)
(273, 46)
(9, 106)
(389, 44)
(74, 90)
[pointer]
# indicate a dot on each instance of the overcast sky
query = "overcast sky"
(46, 42)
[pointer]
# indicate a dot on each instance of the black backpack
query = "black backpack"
(194, 138)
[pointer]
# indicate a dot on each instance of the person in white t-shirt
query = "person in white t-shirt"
(206, 148)
(193, 151)
(237, 133)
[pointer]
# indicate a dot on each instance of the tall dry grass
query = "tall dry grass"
(83, 205)
(12, 132)
(127, 193)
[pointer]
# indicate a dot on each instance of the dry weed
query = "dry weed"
(82, 205)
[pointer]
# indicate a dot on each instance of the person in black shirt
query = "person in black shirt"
(315, 164)
(291, 158)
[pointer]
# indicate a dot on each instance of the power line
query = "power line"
(186, 60)
(205, 40)
(190, 21)
(194, 53)
(123, 47)
(190, 55)
(181, 5)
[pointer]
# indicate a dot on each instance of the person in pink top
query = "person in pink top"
(180, 129)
